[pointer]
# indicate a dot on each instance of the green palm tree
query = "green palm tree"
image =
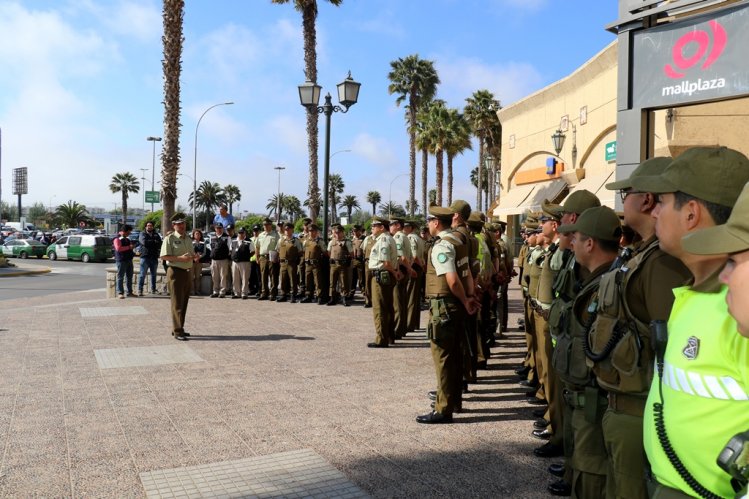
(276, 203)
(208, 196)
(293, 207)
(373, 197)
(308, 9)
(458, 140)
(415, 207)
(231, 196)
(173, 14)
(484, 181)
(432, 197)
(335, 187)
(349, 202)
(312, 202)
(392, 209)
(423, 144)
(124, 183)
(481, 113)
(71, 213)
(434, 120)
(415, 81)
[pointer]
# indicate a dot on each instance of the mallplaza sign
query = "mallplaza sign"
(699, 59)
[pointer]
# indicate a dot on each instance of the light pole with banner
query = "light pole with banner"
(152, 196)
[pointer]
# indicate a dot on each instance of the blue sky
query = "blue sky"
(81, 86)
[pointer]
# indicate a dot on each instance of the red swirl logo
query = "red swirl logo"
(702, 39)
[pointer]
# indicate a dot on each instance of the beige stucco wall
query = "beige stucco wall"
(534, 119)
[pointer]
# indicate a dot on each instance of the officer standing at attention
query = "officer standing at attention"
(383, 263)
(220, 263)
(306, 222)
(340, 250)
(595, 241)
(367, 246)
(447, 277)
(241, 252)
(357, 264)
(620, 342)
(290, 251)
(701, 387)
(266, 247)
(400, 293)
(254, 267)
(313, 254)
(413, 289)
(177, 253)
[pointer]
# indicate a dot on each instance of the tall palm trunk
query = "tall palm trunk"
(124, 206)
(309, 14)
(449, 179)
(412, 161)
(173, 16)
(479, 183)
(439, 175)
(424, 175)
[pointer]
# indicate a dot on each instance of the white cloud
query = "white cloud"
(139, 20)
(463, 76)
(384, 23)
(289, 131)
(376, 150)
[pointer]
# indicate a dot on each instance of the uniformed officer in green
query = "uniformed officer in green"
(400, 291)
(358, 269)
(340, 250)
(413, 289)
(638, 292)
(595, 241)
(177, 252)
(266, 248)
(449, 306)
(367, 246)
(383, 263)
(314, 250)
(290, 251)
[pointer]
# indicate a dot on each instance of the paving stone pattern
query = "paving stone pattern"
(300, 473)
(263, 395)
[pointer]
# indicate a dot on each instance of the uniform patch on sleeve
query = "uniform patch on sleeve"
(442, 258)
(398, 246)
(384, 250)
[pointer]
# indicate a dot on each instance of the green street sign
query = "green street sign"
(611, 151)
(152, 196)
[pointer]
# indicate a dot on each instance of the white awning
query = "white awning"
(546, 190)
(597, 185)
(512, 203)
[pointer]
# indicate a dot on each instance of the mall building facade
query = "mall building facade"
(675, 76)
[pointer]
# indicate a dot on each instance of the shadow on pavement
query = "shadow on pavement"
(268, 337)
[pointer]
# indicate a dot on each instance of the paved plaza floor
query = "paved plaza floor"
(265, 400)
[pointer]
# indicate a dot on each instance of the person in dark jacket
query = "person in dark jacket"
(123, 257)
(220, 262)
(150, 247)
(201, 249)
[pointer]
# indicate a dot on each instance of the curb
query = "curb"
(22, 272)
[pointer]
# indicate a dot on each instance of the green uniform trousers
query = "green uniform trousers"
(289, 279)
(530, 340)
(368, 278)
(268, 278)
(179, 282)
(446, 332)
(542, 350)
(589, 461)
(382, 310)
(340, 275)
(622, 434)
(312, 280)
(400, 306)
(413, 291)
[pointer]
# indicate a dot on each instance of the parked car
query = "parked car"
(24, 248)
(82, 247)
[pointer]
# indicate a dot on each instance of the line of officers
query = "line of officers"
(593, 306)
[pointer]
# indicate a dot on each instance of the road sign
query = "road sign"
(611, 151)
(152, 196)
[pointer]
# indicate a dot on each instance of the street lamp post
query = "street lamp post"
(195, 158)
(309, 96)
(153, 164)
(278, 196)
(390, 191)
(143, 178)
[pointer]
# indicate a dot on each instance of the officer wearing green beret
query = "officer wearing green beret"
(449, 305)
(358, 270)
(177, 252)
(290, 251)
(314, 251)
(400, 293)
(340, 250)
